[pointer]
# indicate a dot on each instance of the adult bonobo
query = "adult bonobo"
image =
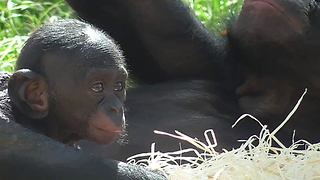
(69, 85)
(262, 66)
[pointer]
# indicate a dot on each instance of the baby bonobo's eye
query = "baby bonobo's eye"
(118, 86)
(97, 87)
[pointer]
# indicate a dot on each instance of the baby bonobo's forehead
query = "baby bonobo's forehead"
(81, 64)
(115, 70)
(78, 59)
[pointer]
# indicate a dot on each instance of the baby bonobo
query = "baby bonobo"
(69, 83)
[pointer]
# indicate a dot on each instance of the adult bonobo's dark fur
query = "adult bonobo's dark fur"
(25, 154)
(269, 55)
(69, 84)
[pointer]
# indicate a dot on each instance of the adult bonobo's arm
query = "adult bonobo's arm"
(162, 39)
(25, 154)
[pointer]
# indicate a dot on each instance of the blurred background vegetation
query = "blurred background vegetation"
(19, 18)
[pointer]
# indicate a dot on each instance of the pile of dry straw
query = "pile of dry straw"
(257, 162)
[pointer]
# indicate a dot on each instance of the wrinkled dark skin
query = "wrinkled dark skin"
(262, 66)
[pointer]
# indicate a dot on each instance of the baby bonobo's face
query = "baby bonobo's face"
(70, 83)
(86, 97)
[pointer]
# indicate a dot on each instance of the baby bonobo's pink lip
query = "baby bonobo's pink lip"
(104, 135)
(109, 130)
(113, 131)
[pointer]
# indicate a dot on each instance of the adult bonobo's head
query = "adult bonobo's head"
(70, 82)
(277, 41)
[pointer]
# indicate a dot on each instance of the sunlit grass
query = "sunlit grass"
(215, 14)
(19, 18)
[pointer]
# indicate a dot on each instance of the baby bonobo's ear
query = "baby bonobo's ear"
(28, 91)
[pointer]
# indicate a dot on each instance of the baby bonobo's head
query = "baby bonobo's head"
(70, 83)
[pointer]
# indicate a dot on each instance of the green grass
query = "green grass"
(19, 18)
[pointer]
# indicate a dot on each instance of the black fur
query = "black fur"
(261, 66)
(25, 154)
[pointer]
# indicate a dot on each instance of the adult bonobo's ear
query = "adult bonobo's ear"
(28, 91)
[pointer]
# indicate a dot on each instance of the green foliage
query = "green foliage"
(18, 18)
(215, 14)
